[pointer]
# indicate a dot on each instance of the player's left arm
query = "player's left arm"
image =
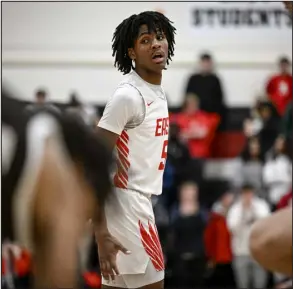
(271, 242)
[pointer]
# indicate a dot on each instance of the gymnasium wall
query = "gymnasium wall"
(67, 46)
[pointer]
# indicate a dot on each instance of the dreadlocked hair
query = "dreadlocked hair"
(127, 32)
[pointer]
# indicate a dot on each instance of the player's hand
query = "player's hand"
(108, 248)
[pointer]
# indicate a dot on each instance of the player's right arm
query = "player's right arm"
(119, 111)
(124, 107)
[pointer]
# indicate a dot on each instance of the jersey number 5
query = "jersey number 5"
(163, 156)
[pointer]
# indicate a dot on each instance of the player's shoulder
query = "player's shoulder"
(127, 94)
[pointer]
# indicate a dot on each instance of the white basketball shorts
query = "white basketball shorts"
(130, 219)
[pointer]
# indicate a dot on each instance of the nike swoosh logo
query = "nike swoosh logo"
(148, 104)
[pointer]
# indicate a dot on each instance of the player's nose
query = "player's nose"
(156, 44)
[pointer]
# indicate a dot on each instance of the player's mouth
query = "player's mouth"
(158, 57)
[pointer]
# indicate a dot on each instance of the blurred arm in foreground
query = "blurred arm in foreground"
(271, 242)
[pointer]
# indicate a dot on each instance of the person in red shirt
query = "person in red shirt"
(279, 86)
(217, 240)
(197, 127)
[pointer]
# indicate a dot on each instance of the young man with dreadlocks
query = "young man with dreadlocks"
(135, 122)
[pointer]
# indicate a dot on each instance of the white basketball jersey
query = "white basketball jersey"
(142, 151)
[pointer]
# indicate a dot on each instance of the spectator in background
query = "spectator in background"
(86, 113)
(279, 86)
(197, 129)
(254, 123)
(91, 115)
(218, 244)
(177, 167)
(277, 173)
(41, 102)
(287, 128)
(263, 121)
(75, 107)
(250, 167)
(187, 239)
(207, 86)
(248, 209)
(270, 126)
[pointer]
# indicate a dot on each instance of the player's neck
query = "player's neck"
(150, 77)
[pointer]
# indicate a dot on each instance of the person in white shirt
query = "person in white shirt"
(135, 124)
(240, 219)
(277, 172)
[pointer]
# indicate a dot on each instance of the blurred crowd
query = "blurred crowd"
(205, 236)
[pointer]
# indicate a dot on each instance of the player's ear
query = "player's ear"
(131, 53)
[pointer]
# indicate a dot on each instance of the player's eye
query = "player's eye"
(145, 41)
(160, 37)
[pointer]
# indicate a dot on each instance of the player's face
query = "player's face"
(150, 50)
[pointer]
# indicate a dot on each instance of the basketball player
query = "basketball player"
(54, 171)
(135, 122)
(271, 238)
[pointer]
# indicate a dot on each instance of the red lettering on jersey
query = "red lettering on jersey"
(159, 127)
(165, 126)
(162, 126)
